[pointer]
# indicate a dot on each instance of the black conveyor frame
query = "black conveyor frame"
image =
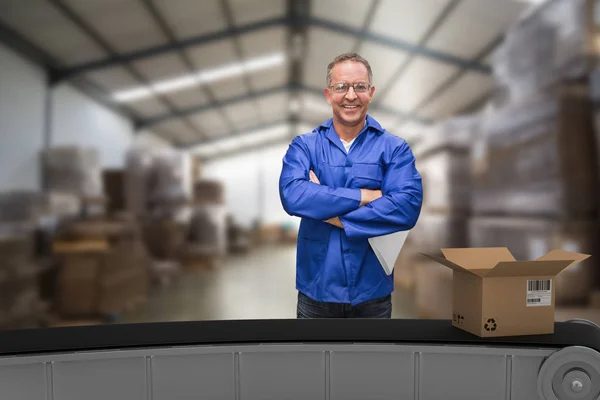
(400, 331)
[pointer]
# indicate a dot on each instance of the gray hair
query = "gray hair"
(348, 57)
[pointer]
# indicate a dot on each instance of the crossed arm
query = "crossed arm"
(361, 213)
(366, 196)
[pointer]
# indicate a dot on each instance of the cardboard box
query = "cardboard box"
(495, 295)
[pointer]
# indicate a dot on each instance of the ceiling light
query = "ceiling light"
(316, 105)
(255, 137)
(202, 77)
(294, 106)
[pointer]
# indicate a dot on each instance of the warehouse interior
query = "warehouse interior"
(141, 143)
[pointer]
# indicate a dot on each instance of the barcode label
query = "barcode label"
(539, 292)
(538, 285)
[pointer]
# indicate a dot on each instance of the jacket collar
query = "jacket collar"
(371, 124)
(327, 126)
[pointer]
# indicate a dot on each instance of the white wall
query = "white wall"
(252, 185)
(77, 120)
(22, 107)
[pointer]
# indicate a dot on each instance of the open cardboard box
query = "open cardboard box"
(495, 295)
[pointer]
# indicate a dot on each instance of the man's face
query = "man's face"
(349, 108)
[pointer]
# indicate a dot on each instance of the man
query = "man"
(349, 180)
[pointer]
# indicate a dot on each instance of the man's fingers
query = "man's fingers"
(313, 177)
(369, 195)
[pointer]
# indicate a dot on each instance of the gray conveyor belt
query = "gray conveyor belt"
(297, 359)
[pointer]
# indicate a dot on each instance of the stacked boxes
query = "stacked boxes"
(114, 190)
(73, 176)
(556, 42)
(21, 209)
(165, 238)
(538, 157)
(155, 195)
(20, 305)
(238, 237)
(531, 238)
(72, 170)
(154, 182)
(20, 297)
(167, 178)
(443, 160)
(103, 268)
(138, 169)
(535, 164)
(208, 226)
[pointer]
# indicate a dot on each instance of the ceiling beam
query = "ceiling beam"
(402, 45)
(250, 131)
(93, 34)
(247, 131)
(216, 105)
(167, 31)
(227, 10)
(366, 25)
(401, 70)
(149, 122)
(447, 84)
(149, 52)
(246, 149)
(297, 11)
(299, 20)
(33, 53)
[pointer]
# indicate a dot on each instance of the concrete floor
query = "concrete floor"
(259, 285)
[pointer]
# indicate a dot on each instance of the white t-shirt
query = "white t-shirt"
(347, 144)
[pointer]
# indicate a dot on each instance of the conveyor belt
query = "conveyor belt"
(297, 359)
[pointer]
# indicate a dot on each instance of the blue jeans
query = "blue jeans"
(376, 308)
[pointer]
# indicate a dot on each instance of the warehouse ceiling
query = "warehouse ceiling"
(197, 71)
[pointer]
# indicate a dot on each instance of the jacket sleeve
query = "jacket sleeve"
(399, 207)
(302, 198)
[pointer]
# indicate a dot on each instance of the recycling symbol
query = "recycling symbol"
(490, 325)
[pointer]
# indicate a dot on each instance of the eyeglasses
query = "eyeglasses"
(358, 87)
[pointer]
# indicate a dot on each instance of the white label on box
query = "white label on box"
(539, 293)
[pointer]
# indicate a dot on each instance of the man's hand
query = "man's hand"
(335, 221)
(368, 195)
(313, 177)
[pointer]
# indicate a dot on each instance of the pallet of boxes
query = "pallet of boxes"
(102, 269)
(155, 193)
(208, 234)
(535, 177)
(21, 304)
(101, 263)
(442, 158)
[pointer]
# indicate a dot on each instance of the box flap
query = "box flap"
(481, 258)
(559, 254)
(454, 266)
(529, 268)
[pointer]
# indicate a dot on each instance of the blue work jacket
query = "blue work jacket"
(338, 265)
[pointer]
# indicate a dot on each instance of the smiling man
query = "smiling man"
(348, 180)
